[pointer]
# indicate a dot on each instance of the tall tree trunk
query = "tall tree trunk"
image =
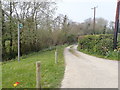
(11, 43)
(0, 31)
(3, 33)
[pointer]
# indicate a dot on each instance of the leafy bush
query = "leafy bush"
(71, 39)
(98, 44)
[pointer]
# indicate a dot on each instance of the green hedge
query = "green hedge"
(98, 44)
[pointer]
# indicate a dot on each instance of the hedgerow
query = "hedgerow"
(99, 45)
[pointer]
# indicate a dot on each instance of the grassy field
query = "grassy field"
(24, 71)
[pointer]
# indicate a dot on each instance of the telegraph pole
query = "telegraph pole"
(94, 8)
(116, 25)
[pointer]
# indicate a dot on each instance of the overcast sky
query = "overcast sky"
(79, 10)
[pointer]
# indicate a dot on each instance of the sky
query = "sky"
(79, 10)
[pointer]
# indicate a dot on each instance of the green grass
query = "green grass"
(25, 70)
(112, 55)
(73, 51)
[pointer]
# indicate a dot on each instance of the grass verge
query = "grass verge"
(73, 51)
(25, 70)
(112, 55)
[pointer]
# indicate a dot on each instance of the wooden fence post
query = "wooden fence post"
(38, 74)
(56, 57)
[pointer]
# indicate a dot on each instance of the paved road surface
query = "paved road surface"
(85, 71)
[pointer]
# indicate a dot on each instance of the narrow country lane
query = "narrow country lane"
(85, 71)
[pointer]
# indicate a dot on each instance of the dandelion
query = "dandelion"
(15, 84)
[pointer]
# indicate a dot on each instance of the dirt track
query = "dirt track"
(85, 71)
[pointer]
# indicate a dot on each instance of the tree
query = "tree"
(37, 19)
(0, 31)
(101, 25)
(10, 25)
(3, 34)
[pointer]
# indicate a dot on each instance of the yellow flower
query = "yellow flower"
(15, 85)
